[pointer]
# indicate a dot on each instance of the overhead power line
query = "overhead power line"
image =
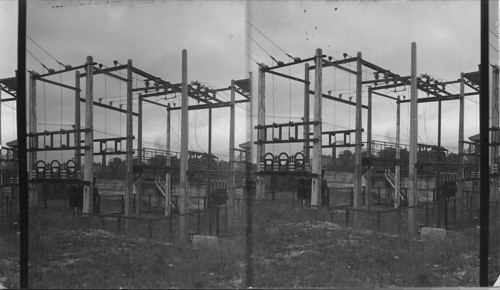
(262, 48)
(269, 40)
(45, 50)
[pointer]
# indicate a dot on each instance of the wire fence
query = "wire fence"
(452, 213)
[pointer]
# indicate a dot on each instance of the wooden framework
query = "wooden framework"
(208, 98)
(379, 80)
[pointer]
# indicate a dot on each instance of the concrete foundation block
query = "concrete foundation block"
(433, 233)
(205, 241)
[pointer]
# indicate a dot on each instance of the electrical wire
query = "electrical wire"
(60, 63)
(262, 48)
(269, 39)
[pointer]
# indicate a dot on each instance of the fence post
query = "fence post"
(347, 217)
(149, 203)
(210, 219)
(119, 224)
(379, 217)
(217, 208)
(170, 228)
(352, 196)
(198, 222)
(122, 204)
(445, 201)
(226, 219)
(150, 229)
(379, 196)
(427, 214)
(399, 221)
(273, 193)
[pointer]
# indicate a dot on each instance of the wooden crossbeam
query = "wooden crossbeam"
(337, 64)
(289, 124)
(338, 100)
(109, 107)
(59, 84)
(45, 133)
(213, 106)
(384, 95)
(60, 148)
(277, 141)
(286, 76)
(36, 76)
(441, 98)
(155, 103)
(291, 63)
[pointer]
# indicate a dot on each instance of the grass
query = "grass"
(9, 257)
(300, 251)
(292, 248)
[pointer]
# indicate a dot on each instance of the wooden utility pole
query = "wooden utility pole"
(438, 168)
(78, 158)
(2, 200)
(358, 147)
(494, 133)
(129, 185)
(460, 178)
(484, 123)
(412, 172)
(209, 177)
(369, 150)
(397, 174)
(183, 181)
(231, 191)
(316, 164)
(261, 121)
(33, 188)
(167, 176)
(307, 127)
(139, 156)
(88, 174)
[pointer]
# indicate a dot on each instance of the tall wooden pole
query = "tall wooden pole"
(317, 128)
(231, 184)
(261, 120)
(209, 189)
(183, 181)
(1, 171)
(358, 147)
(484, 122)
(22, 146)
(139, 156)
(412, 226)
(494, 133)
(88, 174)
(129, 185)
(306, 115)
(250, 120)
(78, 158)
(167, 176)
(438, 159)
(369, 150)
(33, 196)
(397, 174)
(460, 179)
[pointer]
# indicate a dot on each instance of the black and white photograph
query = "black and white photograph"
(249, 144)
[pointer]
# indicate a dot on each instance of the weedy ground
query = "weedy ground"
(291, 248)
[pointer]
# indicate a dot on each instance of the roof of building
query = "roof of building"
(475, 138)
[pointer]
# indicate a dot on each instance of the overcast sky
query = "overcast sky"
(153, 33)
(447, 37)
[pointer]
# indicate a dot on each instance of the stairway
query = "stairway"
(161, 185)
(391, 178)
